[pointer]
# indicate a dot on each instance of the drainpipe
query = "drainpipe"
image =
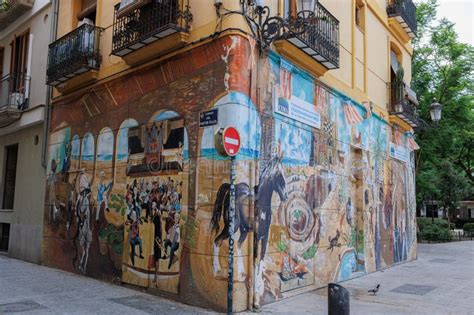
(49, 91)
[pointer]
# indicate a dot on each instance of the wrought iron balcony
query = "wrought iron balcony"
(403, 103)
(317, 35)
(10, 10)
(73, 54)
(14, 94)
(404, 11)
(148, 23)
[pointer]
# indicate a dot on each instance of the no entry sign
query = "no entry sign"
(231, 141)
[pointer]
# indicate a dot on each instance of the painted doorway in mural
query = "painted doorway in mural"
(297, 237)
(156, 177)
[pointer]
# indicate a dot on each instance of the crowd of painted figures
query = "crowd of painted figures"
(155, 201)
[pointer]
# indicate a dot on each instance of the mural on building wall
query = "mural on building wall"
(138, 194)
(343, 209)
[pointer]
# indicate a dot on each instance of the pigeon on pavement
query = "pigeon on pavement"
(375, 290)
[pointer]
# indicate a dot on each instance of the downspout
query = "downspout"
(49, 91)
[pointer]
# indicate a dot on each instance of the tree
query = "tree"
(3, 5)
(453, 186)
(443, 69)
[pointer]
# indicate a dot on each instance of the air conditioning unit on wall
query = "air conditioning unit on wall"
(16, 100)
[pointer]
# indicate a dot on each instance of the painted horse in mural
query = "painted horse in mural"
(84, 231)
(272, 179)
(221, 209)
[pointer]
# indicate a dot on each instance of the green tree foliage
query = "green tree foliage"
(3, 5)
(443, 69)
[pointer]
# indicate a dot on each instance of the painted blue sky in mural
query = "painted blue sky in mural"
(105, 145)
(88, 147)
(57, 150)
(75, 147)
(294, 140)
(122, 138)
(237, 110)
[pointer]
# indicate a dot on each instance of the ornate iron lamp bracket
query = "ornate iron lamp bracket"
(268, 29)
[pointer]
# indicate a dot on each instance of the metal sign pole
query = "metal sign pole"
(230, 283)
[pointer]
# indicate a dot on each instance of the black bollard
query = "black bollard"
(338, 300)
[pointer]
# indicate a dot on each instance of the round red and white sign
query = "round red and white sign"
(231, 141)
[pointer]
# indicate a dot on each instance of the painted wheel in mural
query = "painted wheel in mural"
(297, 216)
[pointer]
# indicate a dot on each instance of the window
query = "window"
(88, 10)
(1, 61)
(4, 236)
(360, 15)
(11, 157)
(18, 62)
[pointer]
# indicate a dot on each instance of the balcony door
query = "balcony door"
(2, 50)
(19, 63)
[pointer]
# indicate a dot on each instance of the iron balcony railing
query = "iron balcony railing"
(401, 104)
(11, 10)
(14, 92)
(148, 23)
(73, 54)
(318, 35)
(405, 13)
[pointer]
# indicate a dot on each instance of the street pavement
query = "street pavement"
(440, 281)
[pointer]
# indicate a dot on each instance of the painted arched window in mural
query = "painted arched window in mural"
(122, 139)
(87, 152)
(75, 152)
(104, 175)
(59, 151)
(105, 145)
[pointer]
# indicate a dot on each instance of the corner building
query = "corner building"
(325, 175)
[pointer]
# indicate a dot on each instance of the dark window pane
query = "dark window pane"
(11, 155)
(4, 236)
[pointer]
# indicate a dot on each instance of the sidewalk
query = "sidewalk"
(441, 281)
(31, 289)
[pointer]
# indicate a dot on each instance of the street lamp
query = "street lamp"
(307, 5)
(435, 111)
(435, 114)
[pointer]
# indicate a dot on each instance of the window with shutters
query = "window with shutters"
(9, 180)
(19, 63)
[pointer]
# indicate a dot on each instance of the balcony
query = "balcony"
(403, 103)
(14, 93)
(12, 10)
(150, 29)
(74, 59)
(404, 12)
(316, 34)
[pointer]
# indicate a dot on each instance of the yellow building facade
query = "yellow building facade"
(319, 91)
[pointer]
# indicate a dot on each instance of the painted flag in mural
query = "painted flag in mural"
(397, 137)
(351, 114)
(368, 109)
(412, 143)
(285, 79)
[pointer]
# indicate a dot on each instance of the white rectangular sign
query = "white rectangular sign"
(398, 152)
(298, 109)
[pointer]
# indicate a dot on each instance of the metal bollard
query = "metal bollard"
(338, 300)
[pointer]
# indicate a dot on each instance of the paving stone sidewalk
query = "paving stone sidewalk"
(441, 281)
